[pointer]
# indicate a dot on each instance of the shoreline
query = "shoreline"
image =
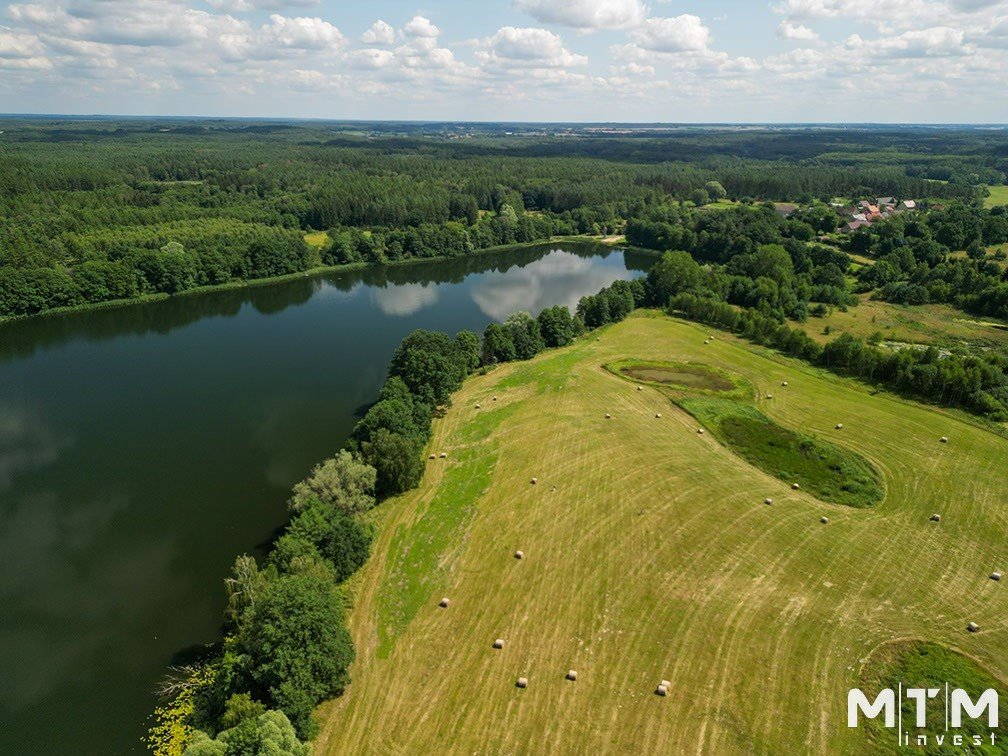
(310, 273)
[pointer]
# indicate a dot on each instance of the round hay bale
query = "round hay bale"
(944, 439)
(495, 398)
(769, 396)
(661, 690)
(640, 388)
(432, 456)
(768, 501)
(522, 682)
(519, 555)
(795, 486)
(824, 520)
(973, 627)
(936, 517)
(444, 603)
(444, 454)
(477, 406)
(658, 415)
(995, 576)
(700, 431)
(499, 643)
(784, 383)
(572, 675)
(839, 426)
(534, 481)
(608, 416)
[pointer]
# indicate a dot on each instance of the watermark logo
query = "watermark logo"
(958, 708)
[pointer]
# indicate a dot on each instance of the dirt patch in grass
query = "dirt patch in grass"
(921, 664)
(683, 376)
(825, 470)
(687, 377)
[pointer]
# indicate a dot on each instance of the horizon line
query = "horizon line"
(325, 119)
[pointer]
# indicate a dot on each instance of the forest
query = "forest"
(748, 271)
(103, 209)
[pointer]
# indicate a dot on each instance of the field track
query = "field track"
(650, 555)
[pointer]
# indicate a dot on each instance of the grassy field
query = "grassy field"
(649, 554)
(927, 665)
(317, 239)
(998, 196)
(937, 324)
(722, 204)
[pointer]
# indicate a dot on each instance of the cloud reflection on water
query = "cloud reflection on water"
(26, 443)
(406, 299)
(559, 278)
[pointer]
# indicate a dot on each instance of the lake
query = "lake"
(142, 448)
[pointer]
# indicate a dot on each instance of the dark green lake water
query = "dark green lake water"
(143, 448)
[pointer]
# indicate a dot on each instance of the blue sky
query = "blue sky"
(574, 60)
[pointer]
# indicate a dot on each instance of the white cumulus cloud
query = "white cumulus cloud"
(300, 33)
(243, 6)
(789, 30)
(685, 33)
(15, 45)
(380, 33)
(419, 26)
(586, 14)
(530, 47)
(937, 42)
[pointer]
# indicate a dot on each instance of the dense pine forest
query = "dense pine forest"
(98, 210)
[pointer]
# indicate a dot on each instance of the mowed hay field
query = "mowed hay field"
(649, 554)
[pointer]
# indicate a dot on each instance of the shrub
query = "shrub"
(270, 732)
(396, 459)
(331, 534)
(295, 646)
(556, 326)
(523, 331)
(392, 414)
(497, 345)
(342, 481)
(467, 349)
(429, 365)
(675, 273)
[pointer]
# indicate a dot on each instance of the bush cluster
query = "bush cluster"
(914, 263)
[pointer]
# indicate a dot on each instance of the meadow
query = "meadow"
(938, 324)
(998, 196)
(649, 554)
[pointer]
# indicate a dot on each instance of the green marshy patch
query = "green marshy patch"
(692, 377)
(827, 471)
(419, 552)
(921, 664)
